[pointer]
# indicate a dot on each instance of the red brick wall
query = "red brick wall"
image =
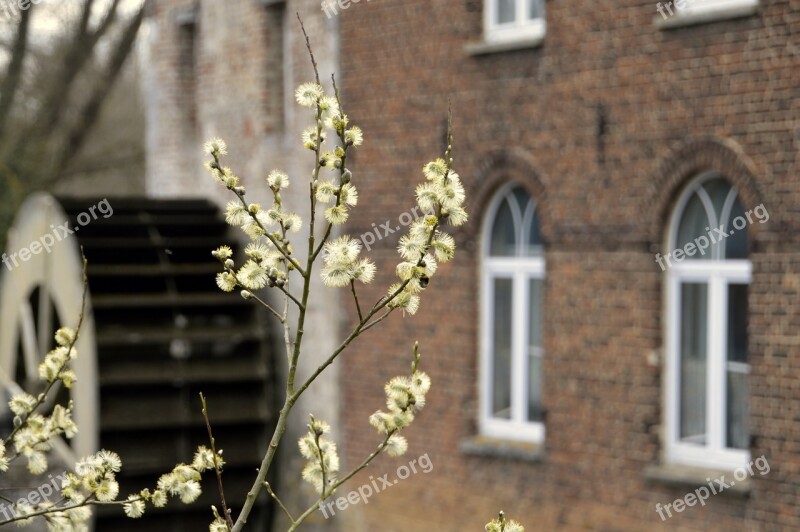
(721, 95)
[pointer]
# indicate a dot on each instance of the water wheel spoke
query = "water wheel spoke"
(30, 343)
(44, 323)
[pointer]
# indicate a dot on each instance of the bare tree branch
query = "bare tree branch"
(77, 55)
(13, 76)
(86, 13)
(91, 109)
(107, 21)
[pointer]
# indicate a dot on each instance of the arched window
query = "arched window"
(708, 273)
(511, 331)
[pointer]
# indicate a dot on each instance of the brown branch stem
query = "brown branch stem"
(217, 469)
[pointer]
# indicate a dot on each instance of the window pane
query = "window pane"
(736, 243)
(534, 9)
(535, 314)
(693, 359)
(736, 404)
(506, 11)
(718, 190)
(521, 198)
(504, 240)
(736, 436)
(693, 225)
(534, 244)
(535, 388)
(535, 351)
(501, 349)
(737, 323)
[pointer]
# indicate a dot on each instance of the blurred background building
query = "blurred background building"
(229, 70)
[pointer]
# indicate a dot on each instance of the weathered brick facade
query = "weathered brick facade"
(228, 69)
(604, 123)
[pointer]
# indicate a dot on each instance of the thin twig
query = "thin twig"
(263, 303)
(55, 510)
(377, 321)
(360, 327)
(268, 307)
(276, 499)
(386, 300)
(310, 51)
(355, 296)
(20, 488)
(300, 305)
(217, 469)
(342, 170)
(306, 273)
(217, 165)
(286, 332)
(321, 461)
(311, 256)
(293, 395)
(42, 396)
(341, 481)
(269, 236)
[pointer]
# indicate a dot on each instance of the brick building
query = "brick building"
(606, 114)
(576, 383)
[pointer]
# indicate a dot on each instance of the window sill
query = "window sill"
(692, 477)
(495, 47)
(745, 8)
(485, 446)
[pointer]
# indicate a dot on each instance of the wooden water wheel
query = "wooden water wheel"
(157, 332)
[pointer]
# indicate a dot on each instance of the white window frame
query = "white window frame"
(718, 275)
(521, 29)
(520, 270)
